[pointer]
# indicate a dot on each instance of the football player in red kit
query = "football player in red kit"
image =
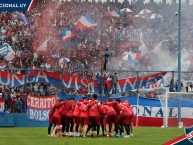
(76, 119)
(69, 119)
(94, 115)
(67, 105)
(57, 120)
(129, 119)
(51, 119)
(84, 116)
(111, 119)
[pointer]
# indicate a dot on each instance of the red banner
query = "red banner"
(38, 108)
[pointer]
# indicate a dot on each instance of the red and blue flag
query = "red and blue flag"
(86, 22)
(115, 13)
(67, 35)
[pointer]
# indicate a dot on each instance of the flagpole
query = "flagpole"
(179, 62)
(102, 86)
(25, 90)
(137, 113)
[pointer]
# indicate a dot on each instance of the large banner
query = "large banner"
(2, 105)
(150, 112)
(67, 81)
(38, 108)
(16, 5)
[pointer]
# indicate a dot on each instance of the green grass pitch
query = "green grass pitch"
(38, 136)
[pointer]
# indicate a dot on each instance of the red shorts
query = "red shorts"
(84, 121)
(111, 117)
(57, 120)
(128, 120)
(94, 120)
(76, 119)
(121, 118)
(51, 119)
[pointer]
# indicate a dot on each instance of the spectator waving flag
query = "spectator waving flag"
(86, 22)
(24, 18)
(43, 46)
(67, 35)
(7, 52)
(131, 56)
(115, 13)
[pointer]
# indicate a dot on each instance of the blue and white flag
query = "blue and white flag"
(7, 52)
(24, 18)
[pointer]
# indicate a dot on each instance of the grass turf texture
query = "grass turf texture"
(38, 136)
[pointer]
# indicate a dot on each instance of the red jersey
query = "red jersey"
(77, 111)
(84, 109)
(57, 114)
(128, 105)
(109, 109)
(70, 113)
(125, 110)
(94, 108)
(115, 105)
(102, 109)
(54, 108)
(67, 105)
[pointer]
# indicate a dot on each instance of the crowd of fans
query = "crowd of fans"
(51, 17)
(15, 98)
(49, 21)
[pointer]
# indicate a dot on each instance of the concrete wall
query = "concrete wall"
(19, 120)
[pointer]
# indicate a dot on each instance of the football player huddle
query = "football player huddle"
(86, 116)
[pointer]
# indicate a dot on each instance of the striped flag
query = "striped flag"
(131, 56)
(67, 35)
(7, 52)
(115, 13)
(86, 22)
(24, 18)
(43, 46)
